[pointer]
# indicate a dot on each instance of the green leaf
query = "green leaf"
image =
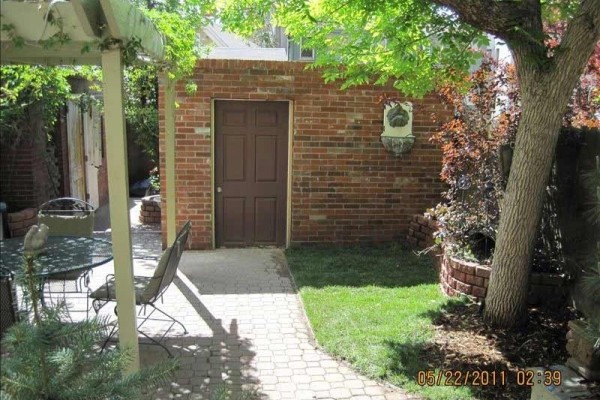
(362, 41)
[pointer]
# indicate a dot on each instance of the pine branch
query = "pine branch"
(47, 358)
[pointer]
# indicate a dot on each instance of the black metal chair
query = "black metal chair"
(68, 216)
(148, 290)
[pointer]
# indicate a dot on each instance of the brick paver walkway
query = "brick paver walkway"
(253, 332)
(247, 330)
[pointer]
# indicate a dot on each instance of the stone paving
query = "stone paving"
(246, 331)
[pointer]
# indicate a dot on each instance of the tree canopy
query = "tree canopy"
(413, 42)
(416, 43)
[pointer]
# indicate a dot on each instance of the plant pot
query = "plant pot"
(585, 359)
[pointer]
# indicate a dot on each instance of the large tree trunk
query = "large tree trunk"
(546, 86)
(506, 302)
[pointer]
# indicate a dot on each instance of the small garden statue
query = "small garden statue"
(35, 240)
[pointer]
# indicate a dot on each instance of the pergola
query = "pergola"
(96, 32)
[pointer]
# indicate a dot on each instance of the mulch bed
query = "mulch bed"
(463, 343)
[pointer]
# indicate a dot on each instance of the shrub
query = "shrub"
(485, 120)
(477, 150)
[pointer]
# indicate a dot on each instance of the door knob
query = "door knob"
(219, 190)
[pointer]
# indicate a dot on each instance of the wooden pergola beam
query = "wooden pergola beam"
(86, 22)
(118, 190)
(170, 157)
(126, 22)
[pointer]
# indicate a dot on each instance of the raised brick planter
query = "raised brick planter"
(150, 213)
(472, 279)
(420, 236)
(420, 231)
(20, 222)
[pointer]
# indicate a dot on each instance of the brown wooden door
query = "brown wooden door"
(251, 162)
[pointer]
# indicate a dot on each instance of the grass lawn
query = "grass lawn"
(373, 306)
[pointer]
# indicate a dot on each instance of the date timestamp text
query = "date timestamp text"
(524, 377)
(449, 377)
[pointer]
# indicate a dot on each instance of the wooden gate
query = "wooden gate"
(76, 148)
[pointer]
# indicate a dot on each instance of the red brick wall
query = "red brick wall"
(20, 222)
(345, 186)
(103, 171)
(62, 152)
(24, 180)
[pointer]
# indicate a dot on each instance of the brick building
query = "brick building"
(268, 154)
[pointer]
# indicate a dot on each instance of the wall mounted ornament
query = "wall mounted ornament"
(397, 137)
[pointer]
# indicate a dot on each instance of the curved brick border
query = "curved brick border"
(472, 279)
(463, 277)
(469, 278)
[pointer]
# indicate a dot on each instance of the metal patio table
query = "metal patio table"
(62, 254)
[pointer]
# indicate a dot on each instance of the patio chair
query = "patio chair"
(68, 216)
(148, 290)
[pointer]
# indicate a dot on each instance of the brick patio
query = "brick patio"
(247, 330)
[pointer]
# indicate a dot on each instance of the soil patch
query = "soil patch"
(463, 343)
